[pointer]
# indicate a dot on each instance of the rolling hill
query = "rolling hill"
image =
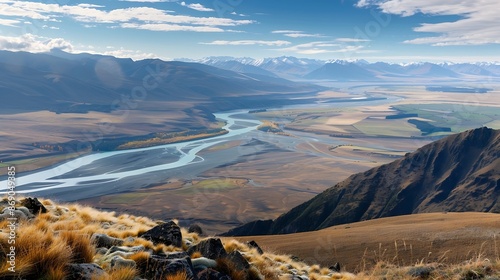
(63, 82)
(457, 174)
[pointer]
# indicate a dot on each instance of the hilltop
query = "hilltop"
(458, 173)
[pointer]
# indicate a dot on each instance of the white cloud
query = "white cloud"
(9, 22)
(171, 27)
(197, 7)
(351, 40)
(138, 17)
(236, 14)
(478, 23)
(34, 43)
(125, 53)
(148, 1)
(84, 5)
(248, 43)
(38, 44)
(285, 31)
(322, 47)
(297, 34)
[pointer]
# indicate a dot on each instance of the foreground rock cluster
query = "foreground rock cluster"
(74, 242)
(210, 254)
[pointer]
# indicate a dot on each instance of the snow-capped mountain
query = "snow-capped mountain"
(350, 70)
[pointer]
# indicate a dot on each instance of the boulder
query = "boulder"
(84, 271)
(103, 240)
(253, 244)
(335, 267)
(211, 248)
(203, 263)
(168, 233)
(422, 272)
(119, 262)
(195, 228)
(159, 267)
(211, 274)
(34, 205)
(134, 249)
(238, 260)
(19, 214)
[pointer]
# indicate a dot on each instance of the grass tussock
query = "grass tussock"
(123, 273)
(227, 267)
(181, 275)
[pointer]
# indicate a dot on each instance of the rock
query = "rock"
(422, 272)
(34, 205)
(176, 255)
(103, 240)
(168, 233)
(253, 244)
(238, 260)
(211, 248)
(203, 263)
(159, 267)
(119, 262)
(210, 274)
(105, 225)
(101, 251)
(134, 249)
(18, 214)
(84, 271)
(335, 267)
(109, 256)
(26, 211)
(195, 228)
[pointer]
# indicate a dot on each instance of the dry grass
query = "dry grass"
(181, 275)
(47, 243)
(227, 267)
(124, 273)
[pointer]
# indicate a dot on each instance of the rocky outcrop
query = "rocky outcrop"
(168, 233)
(84, 271)
(211, 248)
(34, 205)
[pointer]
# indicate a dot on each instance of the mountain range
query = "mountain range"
(459, 173)
(64, 82)
(351, 70)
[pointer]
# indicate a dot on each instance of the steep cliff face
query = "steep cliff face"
(456, 174)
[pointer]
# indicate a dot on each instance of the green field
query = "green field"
(455, 116)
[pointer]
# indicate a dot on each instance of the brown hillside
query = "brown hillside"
(448, 238)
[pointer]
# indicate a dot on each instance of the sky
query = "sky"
(375, 30)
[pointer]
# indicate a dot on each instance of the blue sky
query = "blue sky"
(376, 30)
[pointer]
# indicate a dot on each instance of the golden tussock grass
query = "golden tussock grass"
(140, 258)
(181, 275)
(38, 253)
(227, 267)
(82, 250)
(123, 273)
(196, 255)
